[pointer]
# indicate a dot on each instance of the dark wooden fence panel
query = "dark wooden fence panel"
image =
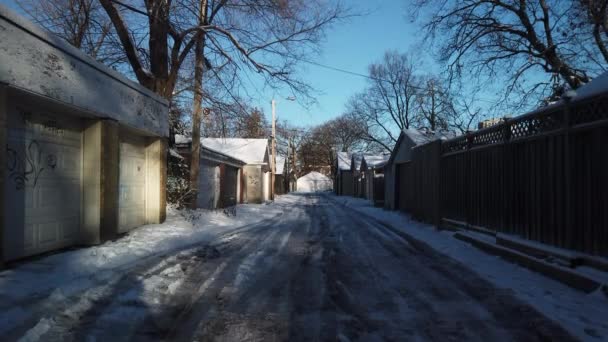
(542, 176)
(454, 180)
(485, 202)
(589, 190)
(425, 182)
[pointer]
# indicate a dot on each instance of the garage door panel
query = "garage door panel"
(69, 228)
(47, 233)
(132, 177)
(29, 236)
(42, 192)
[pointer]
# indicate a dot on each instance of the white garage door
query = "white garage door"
(266, 186)
(132, 178)
(42, 185)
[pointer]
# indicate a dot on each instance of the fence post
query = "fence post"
(436, 154)
(468, 193)
(506, 160)
(567, 175)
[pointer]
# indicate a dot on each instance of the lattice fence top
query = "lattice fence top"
(536, 123)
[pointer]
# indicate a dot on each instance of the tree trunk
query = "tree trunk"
(196, 108)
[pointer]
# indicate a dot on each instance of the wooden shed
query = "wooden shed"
(343, 177)
(372, 167)
(400, 157)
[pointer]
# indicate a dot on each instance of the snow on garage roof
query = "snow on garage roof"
(421, 137)
(376, 160)
(280, 165)
(251, 151)
(344, 161)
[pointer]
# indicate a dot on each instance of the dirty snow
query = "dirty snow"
(583, 315)
(49, 280)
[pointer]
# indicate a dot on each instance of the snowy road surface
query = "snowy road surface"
(318, 271)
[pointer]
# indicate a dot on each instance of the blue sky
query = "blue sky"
(350, 45)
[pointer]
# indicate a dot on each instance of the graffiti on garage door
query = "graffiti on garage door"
(24, 168)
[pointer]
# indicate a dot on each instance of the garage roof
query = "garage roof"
(344, 161)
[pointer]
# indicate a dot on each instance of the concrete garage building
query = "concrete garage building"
(85, 148)
(219, 180)
(254, 186)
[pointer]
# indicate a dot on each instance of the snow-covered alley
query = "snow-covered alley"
(307, 267)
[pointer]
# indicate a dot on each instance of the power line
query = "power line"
(370, 77)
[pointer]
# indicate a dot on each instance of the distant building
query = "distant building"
(343, 177)
(314, 182)
(401, 154)
(253, 183)
(491, 122)
(372, 169)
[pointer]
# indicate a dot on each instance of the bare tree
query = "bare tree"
(525, 41)
(594, 14)
(199, 61)
(388, 104)
(267, 37)
(81, 23)
(435, 106)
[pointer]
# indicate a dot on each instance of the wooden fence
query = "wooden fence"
(542, 176)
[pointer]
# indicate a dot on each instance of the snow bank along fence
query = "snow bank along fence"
(542, 176)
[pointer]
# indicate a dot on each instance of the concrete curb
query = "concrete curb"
(561, 274)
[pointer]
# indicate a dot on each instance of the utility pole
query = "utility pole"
(273, 143)
(286, 168)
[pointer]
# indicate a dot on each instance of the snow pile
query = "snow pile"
(48, 281)
(597, 86)
(583, 315)
(314, 182)
(344, 161)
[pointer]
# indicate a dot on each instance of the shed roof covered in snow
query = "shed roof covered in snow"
(344, 161)
(421, 137)
(374, 161)
(280, 165)
(413, 137)
(251, 151)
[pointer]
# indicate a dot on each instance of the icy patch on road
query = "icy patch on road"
(47, 282)
(583, 315)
